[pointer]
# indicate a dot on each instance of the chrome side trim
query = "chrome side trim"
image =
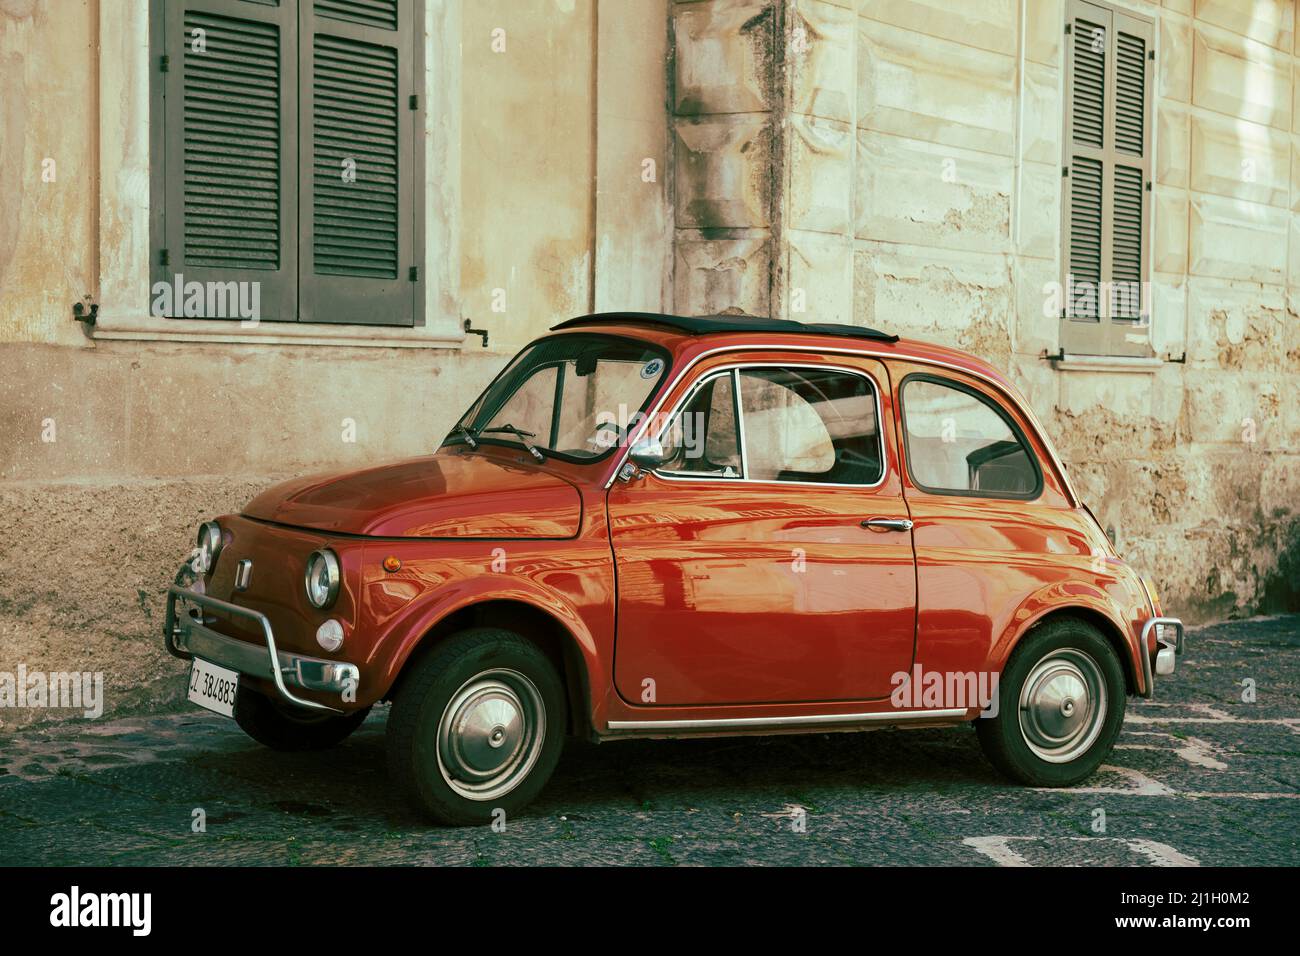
(1023, 409)
(188, 638)
(805, 720)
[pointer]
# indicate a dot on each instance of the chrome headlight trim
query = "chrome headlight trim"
(209, 544)
(332, 577)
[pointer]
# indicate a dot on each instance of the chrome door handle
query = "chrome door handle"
(888, 524)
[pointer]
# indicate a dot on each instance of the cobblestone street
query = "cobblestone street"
(1198, 777)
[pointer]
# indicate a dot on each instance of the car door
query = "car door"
(987, 513)
(745, 571)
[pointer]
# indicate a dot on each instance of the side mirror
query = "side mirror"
(648, 454)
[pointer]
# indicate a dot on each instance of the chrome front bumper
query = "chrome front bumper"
(1169, 647)
(187, 636)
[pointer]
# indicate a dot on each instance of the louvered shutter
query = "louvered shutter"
(228, 143)
(1106, 202)
(356, 233)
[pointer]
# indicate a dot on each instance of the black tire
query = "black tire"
(463, 670)
(443, 698)
(1024, 744)
(284, 727)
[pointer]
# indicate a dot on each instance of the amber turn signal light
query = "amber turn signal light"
(392, 563)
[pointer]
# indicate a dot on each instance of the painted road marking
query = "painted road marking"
(1197, 752)
(1000, 851)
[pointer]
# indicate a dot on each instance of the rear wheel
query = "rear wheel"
(1060, 707)
(281, 726)
(477, 727)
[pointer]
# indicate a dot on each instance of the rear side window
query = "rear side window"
(961, 443)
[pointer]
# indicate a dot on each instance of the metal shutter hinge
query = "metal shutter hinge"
(415, 101)
(164, 257)
(164, 63)
(1068, 28)
(414, 274)
(1065, 171)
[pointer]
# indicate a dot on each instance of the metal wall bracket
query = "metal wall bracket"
(85, 313)
(473, 331)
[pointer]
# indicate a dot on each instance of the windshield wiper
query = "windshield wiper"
(465, 433)
(519, 433)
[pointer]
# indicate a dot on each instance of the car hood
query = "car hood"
(436, 496)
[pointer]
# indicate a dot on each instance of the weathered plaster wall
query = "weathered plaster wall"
(896, 163)
(528, 155)
(47, 166)
(112, 450)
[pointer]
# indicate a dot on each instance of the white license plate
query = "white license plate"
(213, 687)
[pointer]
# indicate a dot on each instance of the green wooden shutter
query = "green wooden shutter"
(1106, 198)
(1130, 202)
(228, 187)
(356, 215)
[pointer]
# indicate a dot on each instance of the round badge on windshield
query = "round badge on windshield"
(652, 368)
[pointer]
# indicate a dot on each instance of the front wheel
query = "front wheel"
(1061, 704)
(477, 727)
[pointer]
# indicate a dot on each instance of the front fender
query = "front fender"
(403, 608)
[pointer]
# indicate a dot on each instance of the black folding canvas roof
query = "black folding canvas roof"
(704, 324)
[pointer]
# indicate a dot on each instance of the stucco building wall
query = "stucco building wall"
(898, 163)
(886, 162)
(113, 444)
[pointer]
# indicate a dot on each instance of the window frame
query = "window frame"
(735, 369)
(708, 377)
(1106, 337)
(311, 327)
(988, 400)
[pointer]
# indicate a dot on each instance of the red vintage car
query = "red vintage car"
(661, 526)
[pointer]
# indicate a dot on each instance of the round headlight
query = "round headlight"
(322, 578)
(209, 544)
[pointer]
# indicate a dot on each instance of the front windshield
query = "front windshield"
(577, 394)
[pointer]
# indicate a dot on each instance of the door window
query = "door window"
(798, 424)
(810, 425)
(958, 442)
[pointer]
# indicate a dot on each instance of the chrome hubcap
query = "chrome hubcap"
(491, 734)
(1062, 705)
